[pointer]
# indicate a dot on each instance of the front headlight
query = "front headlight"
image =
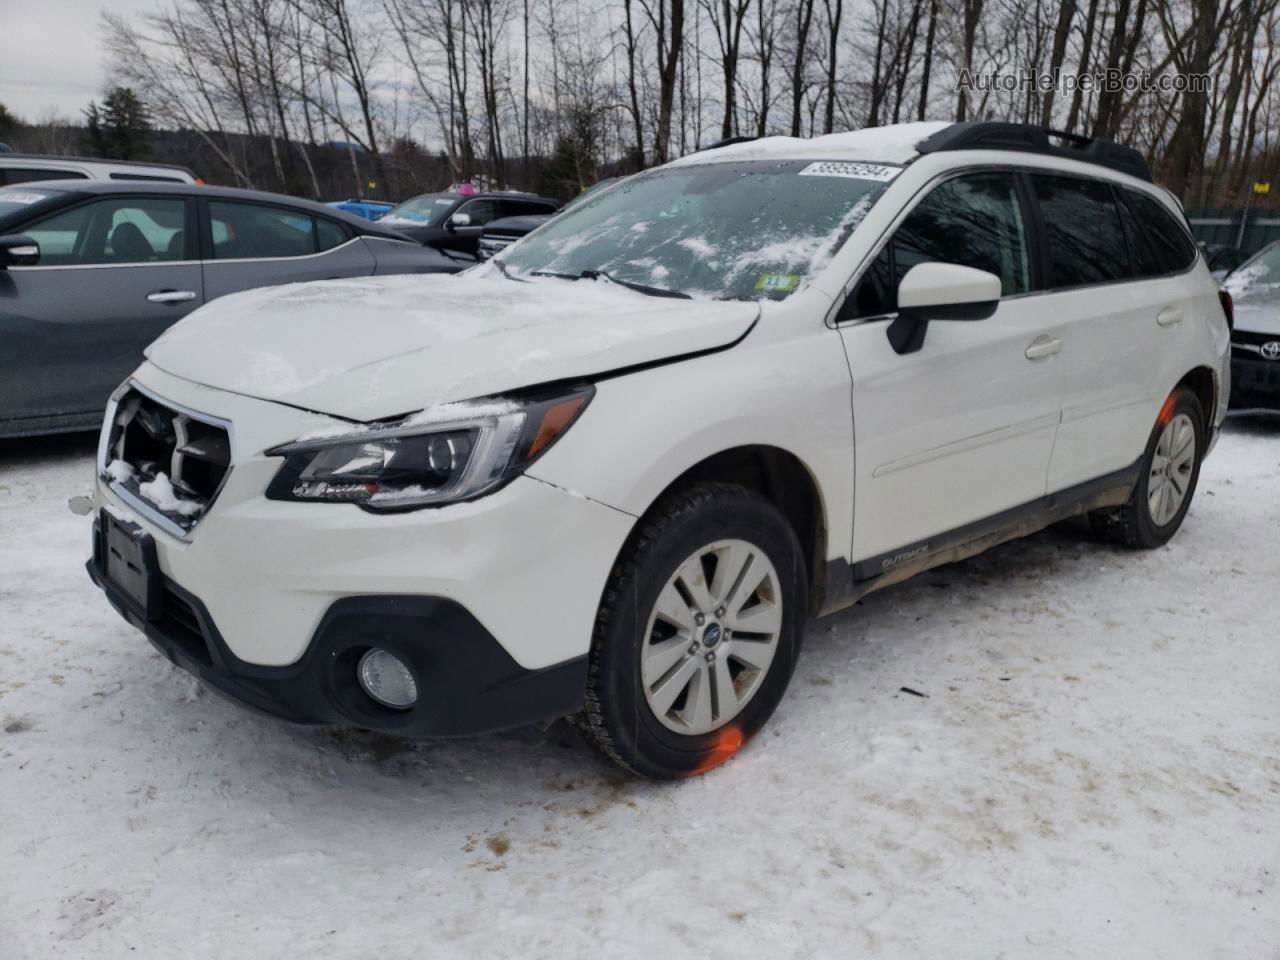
(454, 452)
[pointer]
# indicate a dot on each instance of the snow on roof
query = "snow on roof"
(895, 143)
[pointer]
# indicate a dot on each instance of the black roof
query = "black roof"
(112, 187)
(1029, 138)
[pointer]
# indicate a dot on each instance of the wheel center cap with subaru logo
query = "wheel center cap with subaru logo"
(711, 635)
(1270, 350)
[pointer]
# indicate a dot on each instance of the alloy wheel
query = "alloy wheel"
(711, 637)
(1172, 463)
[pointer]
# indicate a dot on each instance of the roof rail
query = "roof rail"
(727, 142)
(1026, 137)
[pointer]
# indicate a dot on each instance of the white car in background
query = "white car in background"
(33, 167)
(610, 473)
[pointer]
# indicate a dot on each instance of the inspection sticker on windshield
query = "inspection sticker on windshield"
(854, 171)
(22, 198)
(777, 282)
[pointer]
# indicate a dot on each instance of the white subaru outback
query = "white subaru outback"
(611, 473)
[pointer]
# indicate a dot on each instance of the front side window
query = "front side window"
(254, 231)
(132, 230)
(974, 221)
(480, 211)
(1086, 243)
(737, 230)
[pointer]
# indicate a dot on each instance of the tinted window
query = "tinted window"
(147, 177)
(521, 208)
(32, 174)
(330, 234)
(1086, 243)
(1160, 244)
(118, 230)
(250, 230)
(975, 221)
(480, 211)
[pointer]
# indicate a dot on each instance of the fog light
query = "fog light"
(386, 678)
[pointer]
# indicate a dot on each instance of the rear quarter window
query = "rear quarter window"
(1160, 243)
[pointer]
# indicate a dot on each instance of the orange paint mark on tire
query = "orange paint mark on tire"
(727, 742)
(1166, 412)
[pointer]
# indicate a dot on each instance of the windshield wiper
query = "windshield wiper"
(502, 268)
(638, 287)
(597, 274)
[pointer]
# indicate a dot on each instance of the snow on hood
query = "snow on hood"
(376, 347)
(892, 144)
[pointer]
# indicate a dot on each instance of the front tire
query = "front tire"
(698, 633)
(1167, 481)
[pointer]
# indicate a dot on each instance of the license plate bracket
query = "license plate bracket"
(129, 562)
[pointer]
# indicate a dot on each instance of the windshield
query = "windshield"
(428, 210)
(12, 201)
(745, 230)
(1257, 277)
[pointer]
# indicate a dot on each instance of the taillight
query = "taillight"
(1228, 308)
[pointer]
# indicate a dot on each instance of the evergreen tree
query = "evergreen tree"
(119, 128)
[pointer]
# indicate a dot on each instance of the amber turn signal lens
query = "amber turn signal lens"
(554, 422)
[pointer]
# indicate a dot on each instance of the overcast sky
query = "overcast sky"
(50, 57)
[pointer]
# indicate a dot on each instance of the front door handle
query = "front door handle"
(1169, 316)
(171, 296)
(1043, 347)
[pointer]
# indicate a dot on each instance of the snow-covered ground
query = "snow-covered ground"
(1094, 773)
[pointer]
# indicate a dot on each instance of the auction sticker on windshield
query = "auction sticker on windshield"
(854, 171)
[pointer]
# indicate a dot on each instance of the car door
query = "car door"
(1121, 319)
(962, 429)
(113, 274)
(465, 239)
(247, 244)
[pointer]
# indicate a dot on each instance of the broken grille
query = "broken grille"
(171, 462)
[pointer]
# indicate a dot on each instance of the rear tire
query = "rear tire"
(698, 633)
(1167, 479)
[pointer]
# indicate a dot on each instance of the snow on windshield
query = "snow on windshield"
(742, 230)
(1259, 277)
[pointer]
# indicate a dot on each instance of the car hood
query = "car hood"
(373, 348)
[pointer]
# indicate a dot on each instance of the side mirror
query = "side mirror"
(460, 220)
(18, 250)
(940, 291)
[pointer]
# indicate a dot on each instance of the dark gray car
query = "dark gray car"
(93, 271)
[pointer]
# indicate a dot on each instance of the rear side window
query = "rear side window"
(975, 221)
(254, 231)
(1160, 244)
(1086, 243)
(32, 174)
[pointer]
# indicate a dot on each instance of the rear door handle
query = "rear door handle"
(171, 296)
(1042, 347)
(1169, 316)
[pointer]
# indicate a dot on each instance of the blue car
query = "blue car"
(369, 209)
